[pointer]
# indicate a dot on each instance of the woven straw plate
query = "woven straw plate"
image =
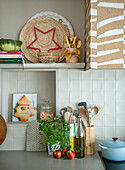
(44, 41)
(55, 16)
(3, 130)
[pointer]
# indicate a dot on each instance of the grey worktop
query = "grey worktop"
(22, 160)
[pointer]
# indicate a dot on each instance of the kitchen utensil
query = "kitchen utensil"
(95, 111)
(83, 114)
(57, 17)
(78, 44)
(63, 110)
(3, 129)
(74, 42)
(66, 116)
(70, 109)
(83, 104)
(113, 149)
(72, 119)
(43, 34)
(67, 41)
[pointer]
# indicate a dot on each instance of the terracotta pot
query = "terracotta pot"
(73, 59)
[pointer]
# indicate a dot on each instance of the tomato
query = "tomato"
(57, 154)
(70, 154)
(63, 153)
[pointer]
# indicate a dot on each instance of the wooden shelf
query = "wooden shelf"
(44, 66)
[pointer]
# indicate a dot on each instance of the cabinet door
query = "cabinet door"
(105, 34)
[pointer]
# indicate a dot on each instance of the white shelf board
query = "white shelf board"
(18, 123)
(44, 66)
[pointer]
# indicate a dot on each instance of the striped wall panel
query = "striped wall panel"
(105, 34)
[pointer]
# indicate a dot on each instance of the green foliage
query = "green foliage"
(55, 132)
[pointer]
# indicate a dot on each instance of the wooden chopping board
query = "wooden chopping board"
(3, 129)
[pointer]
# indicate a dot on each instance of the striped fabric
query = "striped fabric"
(105, 34)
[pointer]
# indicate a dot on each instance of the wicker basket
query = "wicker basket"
(48, 58)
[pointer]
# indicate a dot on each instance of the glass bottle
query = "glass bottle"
(79, 139)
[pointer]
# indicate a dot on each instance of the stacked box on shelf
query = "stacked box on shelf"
(11, 57)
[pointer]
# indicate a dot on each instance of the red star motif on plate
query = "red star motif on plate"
(53, 29)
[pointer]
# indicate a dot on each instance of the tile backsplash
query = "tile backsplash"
(104, 88)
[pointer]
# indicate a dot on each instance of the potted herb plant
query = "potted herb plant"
(55, 133)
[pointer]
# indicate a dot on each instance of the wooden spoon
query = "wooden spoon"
(79, 44)
(66, 116)
(94, 113)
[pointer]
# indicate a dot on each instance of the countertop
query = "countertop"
(22, 160)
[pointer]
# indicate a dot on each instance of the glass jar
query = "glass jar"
(46, 110)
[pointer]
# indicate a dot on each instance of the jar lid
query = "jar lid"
(113, 143)
(46, 105)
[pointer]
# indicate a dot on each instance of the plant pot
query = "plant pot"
(73, 59)
(54, 148)
(113, 150)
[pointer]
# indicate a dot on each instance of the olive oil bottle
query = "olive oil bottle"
(79, 140)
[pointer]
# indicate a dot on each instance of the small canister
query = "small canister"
(46, 110)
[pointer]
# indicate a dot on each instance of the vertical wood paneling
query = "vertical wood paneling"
(75, 87)
(4, 94)
(68, 87)
(42, 83)
(62, 89)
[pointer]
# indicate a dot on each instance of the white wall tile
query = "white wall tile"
(97, 75)
(8, 144)
(19, 143)
(120, 120)
(97, 86)
(109, 75)
(87, 75)
(109, 103)
(109, 86)
(120, 75)
(10, 132)
(120, 85)
(109, 133)
(19, 132)
(87, 92)
(109, 120)
(120, 132)
(99, 121)
(75, 74)
(120, 106)
(99, 133)
(120, 96)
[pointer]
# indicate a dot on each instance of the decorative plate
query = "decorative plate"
(43, 34)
